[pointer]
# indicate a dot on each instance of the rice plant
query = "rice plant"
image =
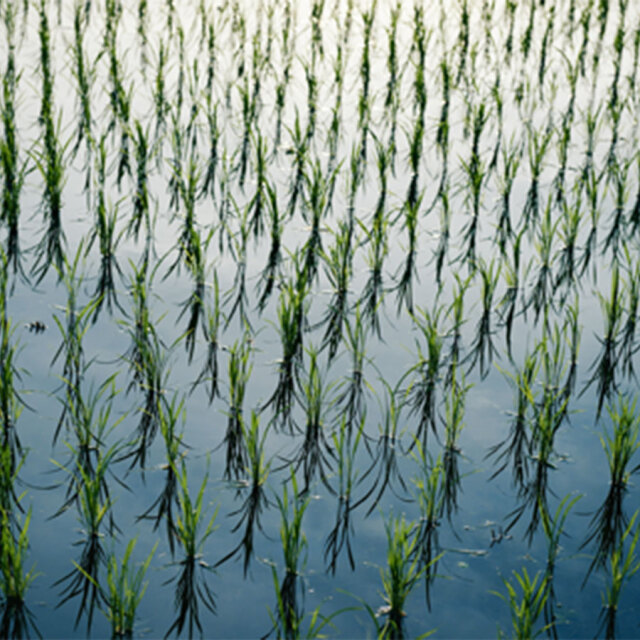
(163, 510)
(17, 620)
(623, 565)
(238, 375)
(191, 531)
(399, 577)
(289, 590)
(12, 168)
(253, 486)
(424, 377)
(553, 530)
(609, 523)
(345, 450)
(93, 511)
(527, 608)
(125, 590)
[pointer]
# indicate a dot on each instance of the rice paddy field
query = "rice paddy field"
(318, 318)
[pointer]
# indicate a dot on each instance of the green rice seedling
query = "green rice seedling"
(475, 171)
(415, 153)
(585, 23)
(312, 99)
(566, 278)
(238, 374)
(147, 358)
(333, 134)
(195, 259)
(299, 150)
(9, 498)
(572, 334)
(314, 452)
(238, 246)
(141, 328)
(620, 174)
(482, 349)
(565, 129)
(314, 209)
(209, 180)
(119, 96)
(515, 450)
(509, 301)
(430, 498)
(553, 530)
(151, 370)
(49, 162)
(141, 197)
(527, 36)
(91, 423)
(353, 389)
(634, 214)
(392, 95)
(191, 531)
(628, 346)
(16, 620)
(603, 15)
(364, 102)
(211, 329)
(462, 44)
(193, 126)
(176, 162)
(73, 327)
(260, 197)
(287, 47)
(178, 102)
(542, 292)
(454, 335)
(387, 455)
(631, 78)
(399, 577)
(527, 608)
(547, 38)
(591, 185)
(93, 508)
(247, 122)
(593, 121)
(549, 412)
(271, 272)
(537, 147)
(425, 375)
(289, 591)
(445, 233)
(344, 450)
(622, 567)
(409, 270)
(291, 321)
(338, 270)
(377, 236)
(125, 590)
(104, 231)
(170, 8)
(510, 9)
(10, 402)
(162, 511)
(143, 21)
(605, 365)
(84, 74)
(609, 523)
(453, 425)
(161, 103)
(253, 486)
(13, 170)
(511, 156)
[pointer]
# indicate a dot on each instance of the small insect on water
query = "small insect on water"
(36, 326)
